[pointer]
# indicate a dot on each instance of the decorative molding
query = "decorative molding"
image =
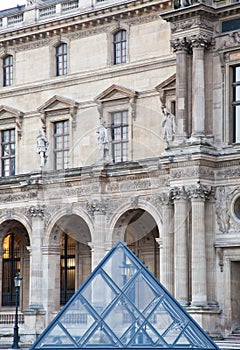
(36, 210)
(9, 115)
(96, 206)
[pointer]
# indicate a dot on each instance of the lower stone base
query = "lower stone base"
(208, 319)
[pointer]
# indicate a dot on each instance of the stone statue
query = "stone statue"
(103, 141)
(42, 146)
(168, 125)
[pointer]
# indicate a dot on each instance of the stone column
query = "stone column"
(181, 48)
(51, 279)
(210, 250)
(181, 278)
(36, 268)
(166, 244)
(97, 208)
(198, 239)
(198, 43)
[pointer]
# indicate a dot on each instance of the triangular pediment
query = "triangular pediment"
(123, 306)
(168, 84)
(115, 92)
(9, 112)
(57, 103)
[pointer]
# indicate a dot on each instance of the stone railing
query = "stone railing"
(6, 319)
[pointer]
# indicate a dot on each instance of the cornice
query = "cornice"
(84, 20)
(203, 10)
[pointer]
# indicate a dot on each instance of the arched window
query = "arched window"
(67, 282)
(11, 265)
(61, 59)
(8, 70)
(120, 46)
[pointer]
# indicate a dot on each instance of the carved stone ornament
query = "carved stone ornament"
(222, 211)
(165, 198)
(199, 191)
(96, 206)
(134, 202)
(36, 210)
(178, 193)
(180, 44)
(201, 41)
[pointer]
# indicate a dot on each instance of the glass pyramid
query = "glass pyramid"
(122, 305)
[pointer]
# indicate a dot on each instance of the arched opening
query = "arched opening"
(139, 230)
(15, 258)
(75, 254)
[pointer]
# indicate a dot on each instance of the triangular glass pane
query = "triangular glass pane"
(100, 337)
(98, 293)
(121, 267)
(121, 316)
(77, 319)
(141, 293)
(195, 336)
(56, 339)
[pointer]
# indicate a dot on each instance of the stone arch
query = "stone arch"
(49, 237)
(16, 217)
(141, 204)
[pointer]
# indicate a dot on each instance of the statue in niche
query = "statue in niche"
(42, 146)
(103, 141)
(168, 125)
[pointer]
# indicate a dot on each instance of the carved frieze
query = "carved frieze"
(192, 172)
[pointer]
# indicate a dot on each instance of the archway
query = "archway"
(139, 230)
(73, 236)
(15, 258)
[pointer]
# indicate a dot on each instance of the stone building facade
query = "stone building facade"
(120, 120)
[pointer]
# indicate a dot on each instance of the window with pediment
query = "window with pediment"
(58, 117)
(10, 131)
(117, 108)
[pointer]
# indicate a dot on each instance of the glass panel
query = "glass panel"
(56, 338)
(77, 319)
(237, 74)
(99, 300)
(237, 93)
(237, 124)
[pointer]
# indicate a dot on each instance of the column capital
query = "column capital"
(199, 192)
(178, 193)
(180, 44)
(201, 41)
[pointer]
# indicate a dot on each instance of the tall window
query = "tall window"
(67, 282)
(61, 144)
(119, 46)
(11, 265)
(236, 105)
(119, 132)
(8, 70)
(61, 59)
(8, 152)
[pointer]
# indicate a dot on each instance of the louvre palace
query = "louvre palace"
(120, 120)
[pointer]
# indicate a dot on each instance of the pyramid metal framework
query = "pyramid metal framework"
(123, 306)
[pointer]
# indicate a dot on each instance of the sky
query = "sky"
(6, 4)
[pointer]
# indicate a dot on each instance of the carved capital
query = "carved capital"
(201, 41)
(182, 44)
(199, 192)
(36, 210)
(178, 193)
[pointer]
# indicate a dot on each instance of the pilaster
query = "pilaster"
(181, 277)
